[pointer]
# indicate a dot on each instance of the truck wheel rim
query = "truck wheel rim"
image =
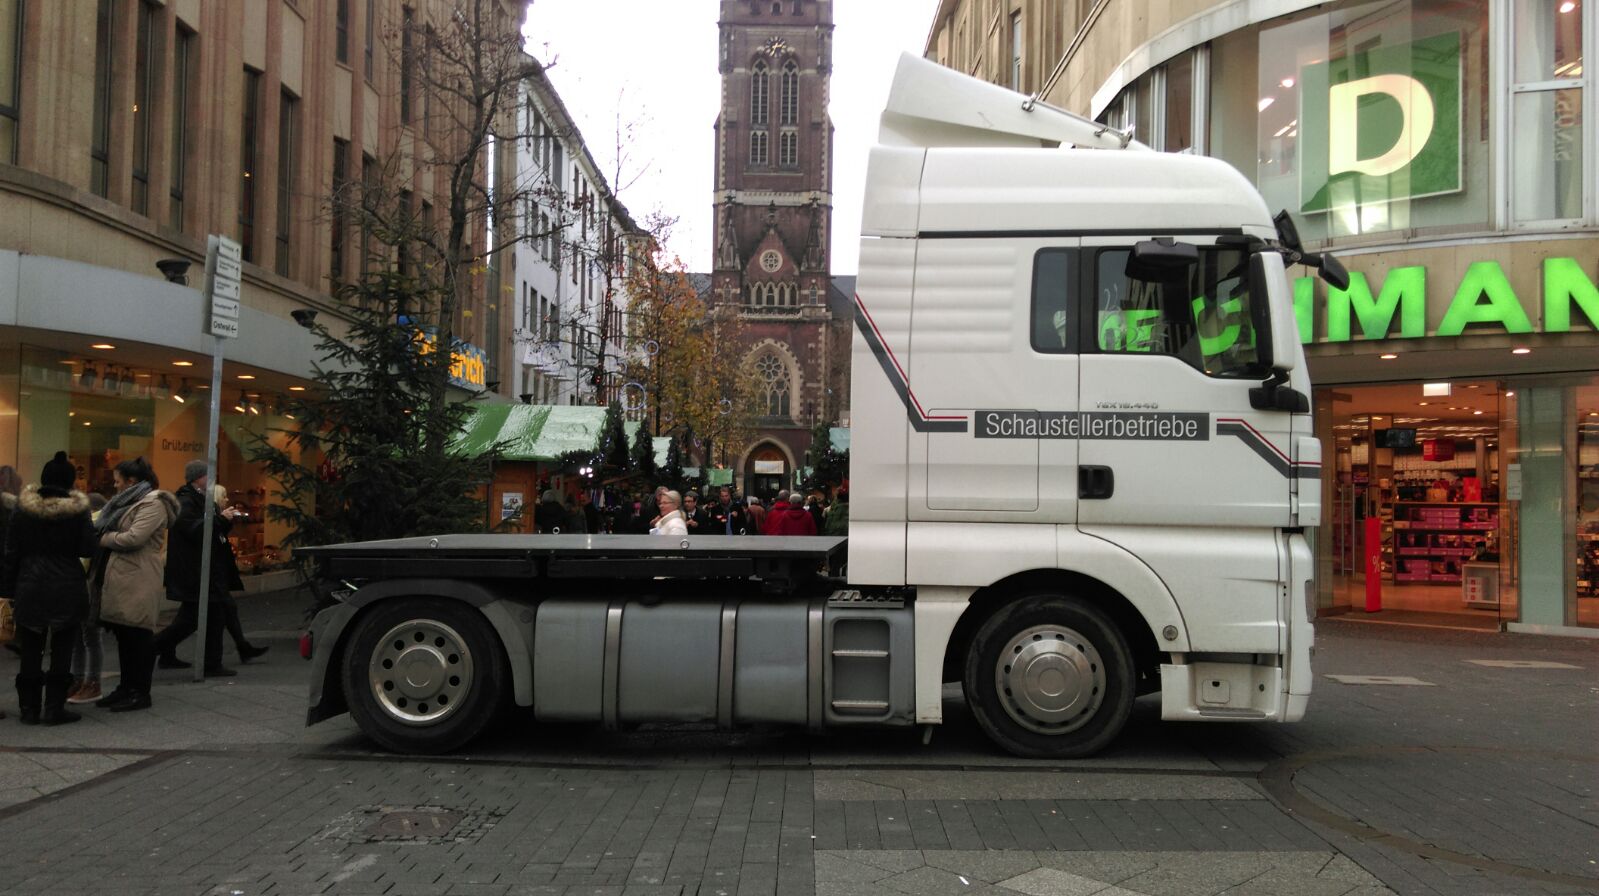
(420, 671)
(1050, 679)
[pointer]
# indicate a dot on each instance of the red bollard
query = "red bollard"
(1373, 564)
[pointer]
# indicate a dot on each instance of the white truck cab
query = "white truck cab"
(1078, 394)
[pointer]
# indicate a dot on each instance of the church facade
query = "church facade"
(773, 221)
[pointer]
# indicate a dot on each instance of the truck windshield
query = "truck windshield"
(1200, 315)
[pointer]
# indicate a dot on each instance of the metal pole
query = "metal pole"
(201, 660)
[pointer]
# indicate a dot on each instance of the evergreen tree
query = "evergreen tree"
(371, 458)
(614, 459)
(671, 474)
(643, 454)
(829, 467)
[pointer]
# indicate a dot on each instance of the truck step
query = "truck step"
(860, 705)
(863, 653)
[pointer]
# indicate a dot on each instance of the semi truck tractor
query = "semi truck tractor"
(1082, 470)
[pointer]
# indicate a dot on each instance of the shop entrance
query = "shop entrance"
(1418, 516)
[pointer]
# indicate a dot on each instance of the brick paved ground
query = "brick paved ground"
(1484, 783)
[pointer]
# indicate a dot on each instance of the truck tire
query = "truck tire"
(1050, 677)
(423, 675)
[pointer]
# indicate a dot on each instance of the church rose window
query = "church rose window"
(774, 384)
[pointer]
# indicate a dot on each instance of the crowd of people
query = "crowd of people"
(75, 564)
(668, 512)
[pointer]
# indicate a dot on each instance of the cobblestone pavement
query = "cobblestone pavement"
(1482, 783)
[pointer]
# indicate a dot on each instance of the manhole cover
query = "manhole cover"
(411, 824)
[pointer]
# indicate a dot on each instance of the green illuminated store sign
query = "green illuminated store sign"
(1380, 125)
(1483, 302)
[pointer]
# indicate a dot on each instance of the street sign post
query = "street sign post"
(223, 273)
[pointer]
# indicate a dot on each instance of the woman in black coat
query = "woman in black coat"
(49, 592)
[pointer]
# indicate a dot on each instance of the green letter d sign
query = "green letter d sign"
(1381, 125)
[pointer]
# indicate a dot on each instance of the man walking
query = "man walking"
(183, 574)
(726, 517)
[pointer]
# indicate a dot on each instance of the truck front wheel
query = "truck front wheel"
(1050, 677)
(423, 676)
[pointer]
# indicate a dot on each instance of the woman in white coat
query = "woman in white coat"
(671, 521)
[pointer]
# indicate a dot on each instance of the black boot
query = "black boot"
(248, 651)
(29, 698)
(56, 687)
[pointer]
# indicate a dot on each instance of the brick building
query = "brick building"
(773, 220)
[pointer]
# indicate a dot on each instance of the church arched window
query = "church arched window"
(789, 94)
(760, 95)
(788, 149)
(758, 148)
(775, 384)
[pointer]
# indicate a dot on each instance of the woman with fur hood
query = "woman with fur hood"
(129, 573)
(41, 572)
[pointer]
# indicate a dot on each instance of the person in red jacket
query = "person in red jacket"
(790, 518)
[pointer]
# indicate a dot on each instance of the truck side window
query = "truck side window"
(1052, 331)
(1201, 315)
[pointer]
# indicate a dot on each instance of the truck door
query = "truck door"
(1168, 434)
(993, 347)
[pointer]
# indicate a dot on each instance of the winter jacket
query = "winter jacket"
(671, 524)
(787, 519)
(182, 575)
(41, 572)
(550, 515)
(837, 519)
(757, 515)
(717, 517)
(130, 578)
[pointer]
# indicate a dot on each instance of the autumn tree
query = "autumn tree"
(688, 361)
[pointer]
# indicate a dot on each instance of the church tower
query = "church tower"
(774, 206)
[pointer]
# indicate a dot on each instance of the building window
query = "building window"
(178, 150)
(1177, 131)
(1547, 166)
(407, 21)
(341, 32)
(143, 71)
(1016, 51)
(790, 93)
(774, 384)
(288, 144)
(758, 148)
(369, 199)
(405, 233)
(100, 145)
(341, 199)
(1317, 97)
(788, 149)
(371, 35)
(249, 159)
(759, 95)
(10, 76)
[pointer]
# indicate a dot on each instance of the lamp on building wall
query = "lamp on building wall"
(184, 391)
(176, 270)
(305, 317)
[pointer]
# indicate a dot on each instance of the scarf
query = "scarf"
(118, 505)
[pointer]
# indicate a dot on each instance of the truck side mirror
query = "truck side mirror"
(1271, 311)
(1332, 271)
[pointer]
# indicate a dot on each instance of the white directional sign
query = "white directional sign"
(224, 272)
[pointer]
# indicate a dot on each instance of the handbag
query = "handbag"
(8, 621)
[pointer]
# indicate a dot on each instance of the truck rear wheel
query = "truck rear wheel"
(423, 676)
(1050, 677)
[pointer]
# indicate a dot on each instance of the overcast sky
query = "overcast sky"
(652, 71)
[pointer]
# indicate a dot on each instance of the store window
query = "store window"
(102, 412)
(1162, 106)
(1547, 152)
(1371, 118)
